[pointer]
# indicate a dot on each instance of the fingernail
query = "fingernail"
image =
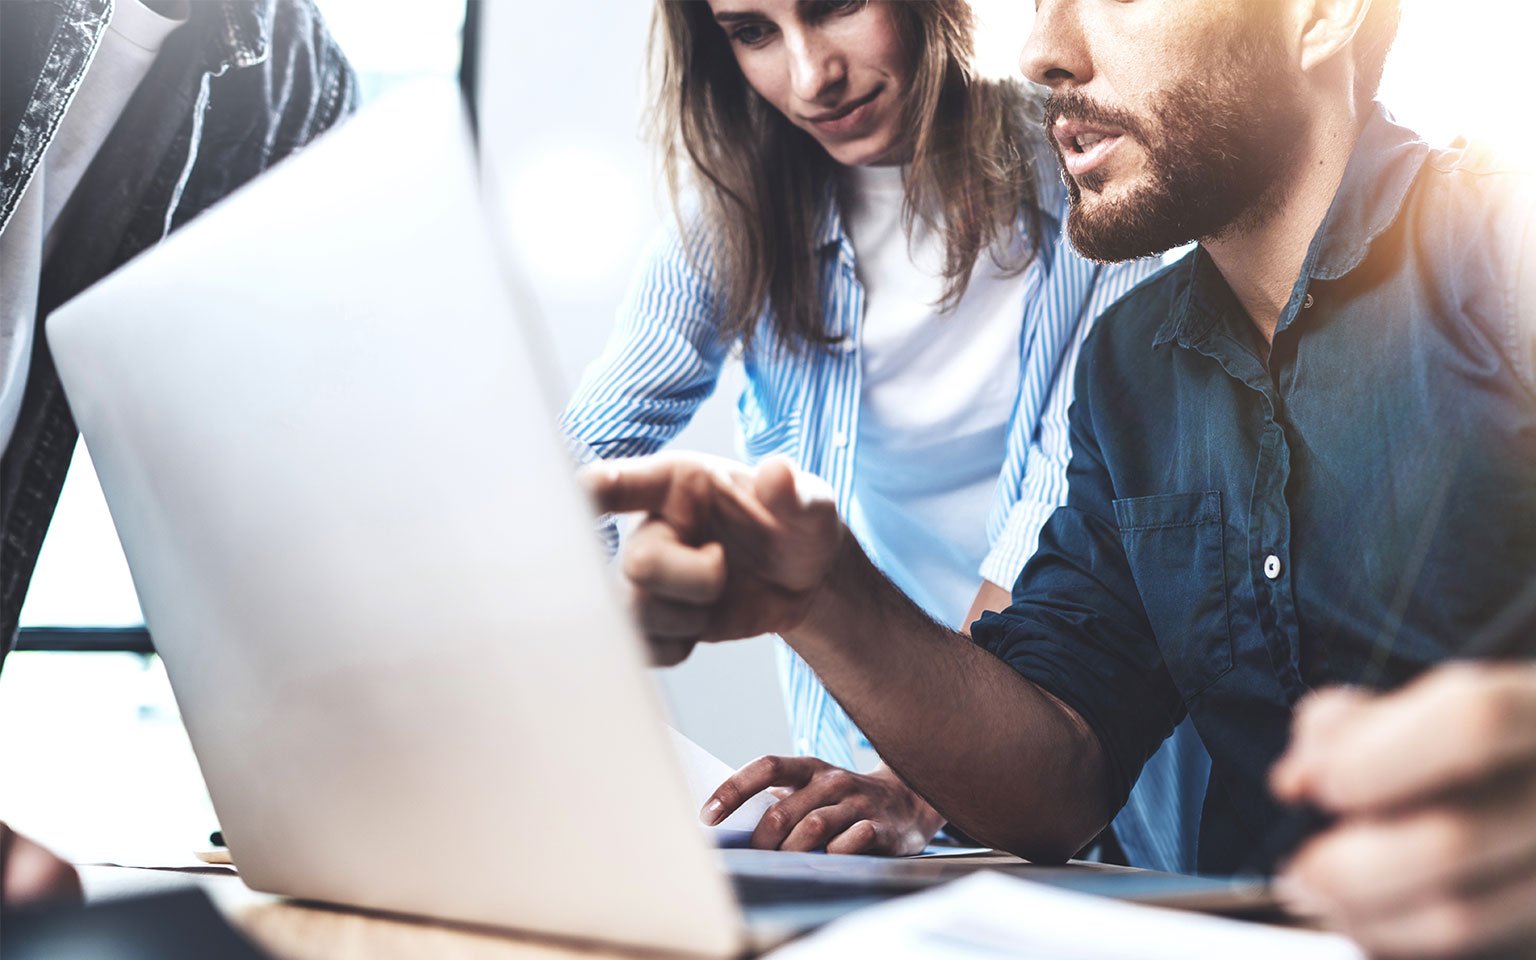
(711, 812)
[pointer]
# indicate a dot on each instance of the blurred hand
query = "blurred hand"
(1434, 853)
(825, 806)
(725, 551)
(31, 874)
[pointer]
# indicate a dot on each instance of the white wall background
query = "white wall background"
(561, 108)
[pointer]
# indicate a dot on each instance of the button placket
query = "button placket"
(1269, 536)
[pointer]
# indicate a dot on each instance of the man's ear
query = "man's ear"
(1328, 27)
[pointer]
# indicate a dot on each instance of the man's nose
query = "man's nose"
(1055, 53)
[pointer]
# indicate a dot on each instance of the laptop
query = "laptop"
(325, 428)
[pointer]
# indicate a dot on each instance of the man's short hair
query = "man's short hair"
(1372, 44)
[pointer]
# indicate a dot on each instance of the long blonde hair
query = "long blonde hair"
(763, 183)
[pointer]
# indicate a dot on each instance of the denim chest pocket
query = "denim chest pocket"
(1174, 544)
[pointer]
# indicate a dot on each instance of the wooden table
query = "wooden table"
(292, 931)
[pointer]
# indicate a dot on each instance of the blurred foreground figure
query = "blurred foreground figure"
(119, 122)
(1302, 456)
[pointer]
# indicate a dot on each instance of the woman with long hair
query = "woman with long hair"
(877, 232)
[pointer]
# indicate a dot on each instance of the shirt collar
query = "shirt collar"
(830, 231)
(1193, 314)
(1382, 167)
(1385, 162)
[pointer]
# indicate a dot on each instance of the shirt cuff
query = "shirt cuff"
(1017, 543)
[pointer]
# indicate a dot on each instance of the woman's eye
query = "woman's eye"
(749, 34)
(828, 8)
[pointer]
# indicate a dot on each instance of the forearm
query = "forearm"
(995, 754)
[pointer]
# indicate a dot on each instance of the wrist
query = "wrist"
(927, 819)
(829, 609)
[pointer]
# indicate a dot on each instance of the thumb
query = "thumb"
(792, 495)
(775, 488)
(805, 521)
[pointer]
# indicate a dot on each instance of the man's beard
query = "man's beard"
(1217, 153)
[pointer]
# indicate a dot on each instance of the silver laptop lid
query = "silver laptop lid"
(319, 425)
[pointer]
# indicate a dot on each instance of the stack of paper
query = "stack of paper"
(988, 916)
(704, 773)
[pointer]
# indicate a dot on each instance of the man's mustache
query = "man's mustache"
(1074, 105)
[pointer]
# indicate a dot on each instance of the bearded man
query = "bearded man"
(1302, 457)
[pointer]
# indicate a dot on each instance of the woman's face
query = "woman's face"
(837, 69)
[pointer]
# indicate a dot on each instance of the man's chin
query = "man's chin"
(1112, 230)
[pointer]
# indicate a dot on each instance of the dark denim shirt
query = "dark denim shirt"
(1356, 509)
(237, 88)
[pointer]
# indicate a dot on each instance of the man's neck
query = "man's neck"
(1261, 262)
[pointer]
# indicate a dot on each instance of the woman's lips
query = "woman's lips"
(848, 118)
(1084, 147)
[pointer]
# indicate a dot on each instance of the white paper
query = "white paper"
(988, 916)
(935, 851)
(704, 773)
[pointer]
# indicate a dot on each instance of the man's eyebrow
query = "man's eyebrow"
(731, 16)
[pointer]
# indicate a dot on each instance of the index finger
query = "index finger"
(1456, 726)
(754, 778)
(627, 486)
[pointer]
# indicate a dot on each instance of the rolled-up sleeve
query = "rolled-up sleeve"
(1077, 627)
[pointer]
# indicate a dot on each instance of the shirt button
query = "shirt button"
(846, 345)
(839, 439)
(1307, 301)
(1272, 567)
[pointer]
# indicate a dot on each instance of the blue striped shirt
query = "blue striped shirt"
(665, 356)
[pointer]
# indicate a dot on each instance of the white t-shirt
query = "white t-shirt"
(128, 46)
(938, 390)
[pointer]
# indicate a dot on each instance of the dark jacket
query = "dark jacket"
(237, 88)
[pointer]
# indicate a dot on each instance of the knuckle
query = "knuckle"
(1486, 714)
(696, 482)
(714, 568)
(1319, 864)
(642, 560)
(635, 600)
(770, 766)
(776, 819)
(1449, 838)
(1451, 927)
(864, 834)
(1461, 682)
(815, 822)
(836, 779)
(728, 795)
(1336, 865)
